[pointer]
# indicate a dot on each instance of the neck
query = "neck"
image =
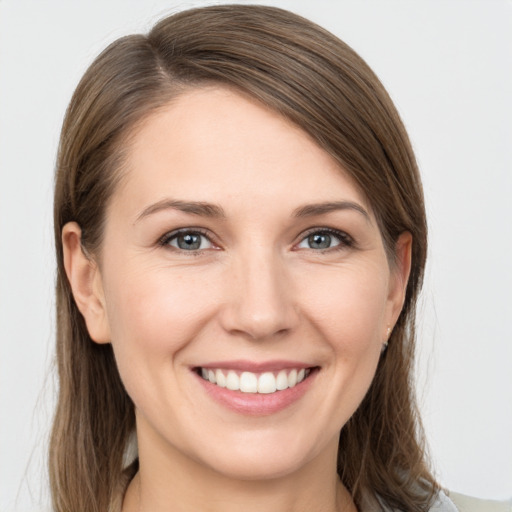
(176, 483)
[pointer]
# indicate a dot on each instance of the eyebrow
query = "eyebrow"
(199, 208)
(311, 210)
(204, 209)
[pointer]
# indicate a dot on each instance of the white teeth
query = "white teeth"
(219, 377)
(282, 380)
(249, 382)
(266, 383)
(232, 381)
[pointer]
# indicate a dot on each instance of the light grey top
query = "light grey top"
(442, 504)
(454, 503)
(468, 504)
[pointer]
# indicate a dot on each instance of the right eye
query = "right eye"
(325, 239)
(187, 240)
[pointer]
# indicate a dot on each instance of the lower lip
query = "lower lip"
(257, 404)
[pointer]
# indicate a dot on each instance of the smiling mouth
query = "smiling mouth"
(249, 382)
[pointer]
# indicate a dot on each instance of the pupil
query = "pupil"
(189, 242)
(319, 241)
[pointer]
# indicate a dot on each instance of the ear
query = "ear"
(400, 271)
(85, 279)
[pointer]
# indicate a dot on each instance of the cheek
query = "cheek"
(346, 305)
(156, 311)
(349, 305)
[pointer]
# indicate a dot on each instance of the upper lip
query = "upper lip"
(256, 367)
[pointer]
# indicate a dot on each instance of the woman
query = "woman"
(241, 240)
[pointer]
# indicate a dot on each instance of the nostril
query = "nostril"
(259, 304)
(256, 326)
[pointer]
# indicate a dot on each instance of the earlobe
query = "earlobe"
(85, 280)
(400, 275)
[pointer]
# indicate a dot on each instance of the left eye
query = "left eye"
(319, 240)
(188, 241)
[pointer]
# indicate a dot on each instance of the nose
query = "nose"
(260, 300)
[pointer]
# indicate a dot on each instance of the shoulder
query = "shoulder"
(444, 502)
(468, 504)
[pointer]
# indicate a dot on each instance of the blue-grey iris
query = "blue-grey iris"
(319, 241)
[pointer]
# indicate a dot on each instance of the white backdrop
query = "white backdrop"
(447, 65)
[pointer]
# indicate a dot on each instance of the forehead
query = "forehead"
(214, 144)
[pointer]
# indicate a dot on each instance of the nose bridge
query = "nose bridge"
(261, 304)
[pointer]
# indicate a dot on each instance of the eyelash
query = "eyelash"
(346, 241)
(165, 240)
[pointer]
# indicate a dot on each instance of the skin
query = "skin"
(255, 290)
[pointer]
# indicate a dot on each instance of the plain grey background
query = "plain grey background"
(448, 66)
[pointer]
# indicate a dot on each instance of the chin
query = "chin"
(262, 457)
(259, 467)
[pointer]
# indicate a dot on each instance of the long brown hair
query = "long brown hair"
(315, 80)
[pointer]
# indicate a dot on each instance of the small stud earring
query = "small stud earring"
(385, 344)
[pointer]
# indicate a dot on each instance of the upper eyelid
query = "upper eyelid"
(169, 235)
(325, 229)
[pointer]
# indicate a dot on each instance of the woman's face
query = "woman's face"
(236, 249)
